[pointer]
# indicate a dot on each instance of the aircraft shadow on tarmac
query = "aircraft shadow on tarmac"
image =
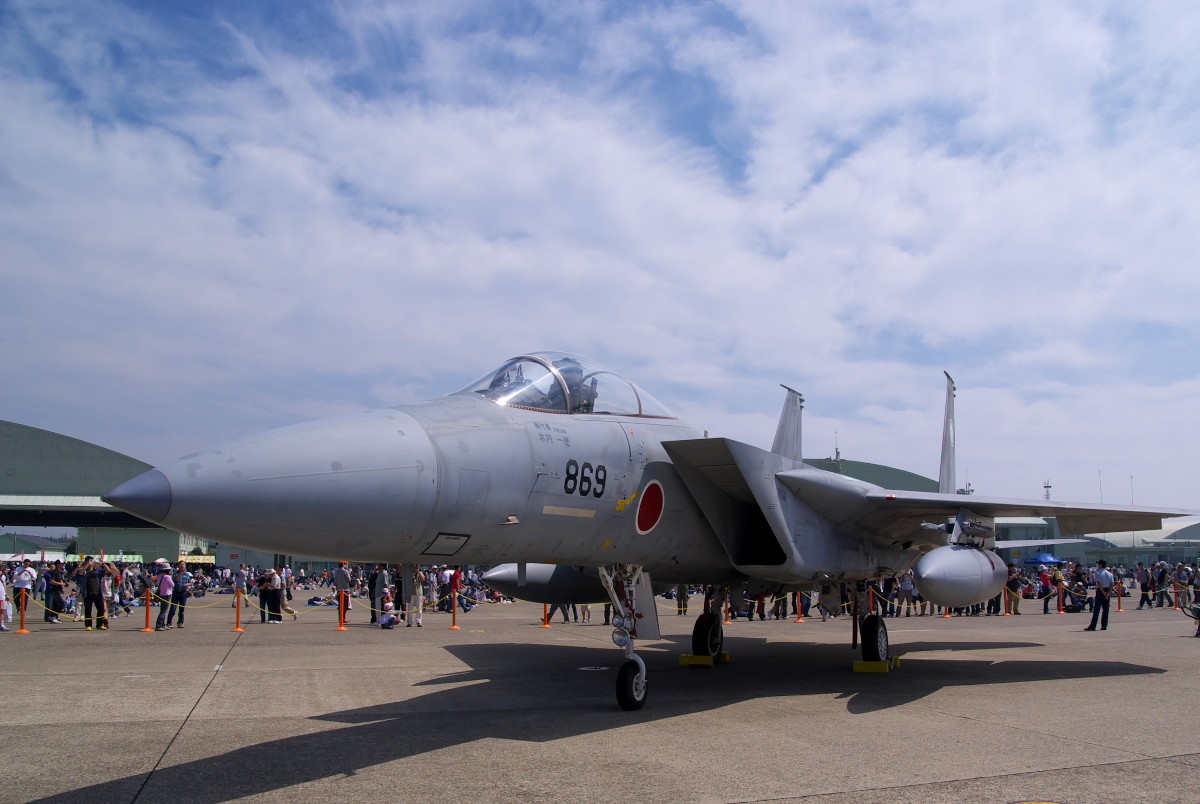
(540, 693)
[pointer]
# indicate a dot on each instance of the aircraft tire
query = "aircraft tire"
(631, 687)
(875, 646)
(708, 637)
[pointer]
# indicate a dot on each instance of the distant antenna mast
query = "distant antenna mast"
(837, 453)
(1046, 488)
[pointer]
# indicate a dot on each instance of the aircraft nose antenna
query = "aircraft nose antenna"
(147, 496)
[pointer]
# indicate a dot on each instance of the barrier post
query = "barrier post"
(24, 605)
(871, 599)
(454, 610)
(342, 593)
(727, 620)
(800, 607)
(1120, 594)
(546, 616)
(149, 598)
(237, 621)
(1007, 605)
(1175, 584)
(1061, 610)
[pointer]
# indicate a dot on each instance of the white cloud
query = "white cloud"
(207, 239)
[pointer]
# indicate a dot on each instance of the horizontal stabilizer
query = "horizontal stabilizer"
(1002, 544)
(1073, 518)
(887, 516)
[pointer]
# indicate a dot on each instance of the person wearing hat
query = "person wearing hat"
(180, 594)
(415, 584)
(272, 592)
(1104, 590)
(387, 614)
(164, 588)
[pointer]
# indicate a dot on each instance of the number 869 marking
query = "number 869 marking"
(585, 479)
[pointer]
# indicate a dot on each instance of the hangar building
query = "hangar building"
(53, 480)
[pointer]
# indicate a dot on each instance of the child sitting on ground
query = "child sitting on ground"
(388, 618)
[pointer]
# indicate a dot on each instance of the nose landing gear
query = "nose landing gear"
(622, 582)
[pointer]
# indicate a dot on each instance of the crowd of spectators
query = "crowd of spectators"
(94, 591)
(900, 596)
(1160, 585)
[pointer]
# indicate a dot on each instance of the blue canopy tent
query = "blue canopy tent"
(1045, 558)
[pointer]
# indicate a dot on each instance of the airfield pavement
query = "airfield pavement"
(986, 709)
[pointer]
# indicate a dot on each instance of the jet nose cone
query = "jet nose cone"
(147, 496)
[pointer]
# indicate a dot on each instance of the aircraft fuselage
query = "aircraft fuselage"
(457, 479)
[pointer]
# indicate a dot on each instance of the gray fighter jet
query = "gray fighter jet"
(551, 458)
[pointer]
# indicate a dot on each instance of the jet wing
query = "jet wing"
(888, 516)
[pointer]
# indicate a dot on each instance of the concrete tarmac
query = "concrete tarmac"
(982, 709)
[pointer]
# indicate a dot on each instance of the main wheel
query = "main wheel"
(631, 686)
(708, 636)
(874, 639)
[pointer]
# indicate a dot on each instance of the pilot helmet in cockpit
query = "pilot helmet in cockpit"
(572, 374)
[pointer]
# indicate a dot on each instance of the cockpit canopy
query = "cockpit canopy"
(557, 382)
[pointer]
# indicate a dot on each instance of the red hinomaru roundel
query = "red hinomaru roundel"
(650, 507)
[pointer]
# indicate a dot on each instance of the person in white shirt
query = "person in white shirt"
(239, 584)
(23, 579)
(1104, 589)
(4, 615)
(416, 596)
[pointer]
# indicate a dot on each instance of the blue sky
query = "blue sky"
(223, 217)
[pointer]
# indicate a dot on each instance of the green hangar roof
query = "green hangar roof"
(52, 480)
(885, 476)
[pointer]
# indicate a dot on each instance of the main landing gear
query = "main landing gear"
(875, 646)
(622, 581)
(708, 635)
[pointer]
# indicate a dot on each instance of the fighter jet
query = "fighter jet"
(551, 459)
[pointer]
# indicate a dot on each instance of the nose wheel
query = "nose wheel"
(631, 685)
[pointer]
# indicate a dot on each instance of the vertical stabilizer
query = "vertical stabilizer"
(787, 434)
(946, 475)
